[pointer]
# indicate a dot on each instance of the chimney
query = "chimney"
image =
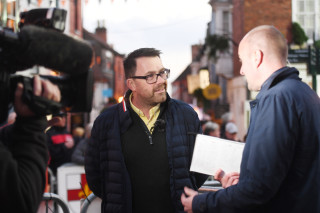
(101, 31)
(195, 51)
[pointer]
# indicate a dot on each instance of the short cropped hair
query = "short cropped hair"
(269, 37)
(130, 64)
(209, 127)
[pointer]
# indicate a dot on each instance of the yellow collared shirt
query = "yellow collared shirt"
(153, 112)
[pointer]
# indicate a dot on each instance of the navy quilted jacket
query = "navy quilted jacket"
(280, 168)
(105, 168)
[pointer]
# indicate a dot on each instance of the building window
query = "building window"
(225, 19)
(306, 15)
(309, 6)
(301, 20)
(309, 23)
(301, 6)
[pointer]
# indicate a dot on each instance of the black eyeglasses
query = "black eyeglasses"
(152, 78)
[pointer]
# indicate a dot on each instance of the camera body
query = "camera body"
(41, 42)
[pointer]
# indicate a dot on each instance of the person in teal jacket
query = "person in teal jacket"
(281, 159)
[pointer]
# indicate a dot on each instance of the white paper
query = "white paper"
(211, 153)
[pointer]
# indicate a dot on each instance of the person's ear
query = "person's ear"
(258, 58)
(131, 85)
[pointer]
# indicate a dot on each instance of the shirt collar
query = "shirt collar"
(154, 110)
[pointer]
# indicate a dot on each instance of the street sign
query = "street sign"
(298, 56)
(212, 92)
(314, 61)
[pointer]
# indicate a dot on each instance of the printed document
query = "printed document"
(211, 153)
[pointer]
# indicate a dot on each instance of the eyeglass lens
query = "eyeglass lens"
(154, 77)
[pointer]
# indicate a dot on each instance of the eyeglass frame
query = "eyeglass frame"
(163, 71)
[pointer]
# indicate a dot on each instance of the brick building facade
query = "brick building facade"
(248, 14)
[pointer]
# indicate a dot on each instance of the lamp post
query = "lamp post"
(313, 62)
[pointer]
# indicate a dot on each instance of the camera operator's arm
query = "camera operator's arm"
(24, 160)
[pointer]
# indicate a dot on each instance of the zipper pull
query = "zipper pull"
(150, 140)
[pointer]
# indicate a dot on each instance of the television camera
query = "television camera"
(40, 41)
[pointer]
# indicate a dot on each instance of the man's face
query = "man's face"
(215, 133)
(144, 93)
(231, 136)
(248, 66)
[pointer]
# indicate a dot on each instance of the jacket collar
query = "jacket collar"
(124, 114)
(278, 76)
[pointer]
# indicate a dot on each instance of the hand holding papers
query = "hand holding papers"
(211, 153)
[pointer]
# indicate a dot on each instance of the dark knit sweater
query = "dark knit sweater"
(148, 167)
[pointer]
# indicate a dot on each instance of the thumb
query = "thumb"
(219, 174)
(189, 192)
(54, 121)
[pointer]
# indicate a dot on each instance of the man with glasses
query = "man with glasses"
(140, 153)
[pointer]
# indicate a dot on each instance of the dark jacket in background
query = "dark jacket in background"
(280, 168)
(106, 171)
(23, 163)
(79, 152)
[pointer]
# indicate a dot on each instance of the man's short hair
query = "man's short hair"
(210, 127)
(130, 64)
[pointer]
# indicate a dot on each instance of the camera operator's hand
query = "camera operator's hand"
(41, 87)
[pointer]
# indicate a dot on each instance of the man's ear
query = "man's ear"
(258, 58)
(131, 85)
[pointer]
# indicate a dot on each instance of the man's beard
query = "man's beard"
(160, 98)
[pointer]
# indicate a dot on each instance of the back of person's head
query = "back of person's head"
(270, 40)
(226, 117)
(78, 132)
(231, 128)
(130, 64)
(210, 127)
(231, 131)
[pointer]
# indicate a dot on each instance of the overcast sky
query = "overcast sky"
(169, 25)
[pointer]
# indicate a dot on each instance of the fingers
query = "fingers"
(232, 180)
(19, 107)
(187, 198)
(54, 121)
(36, 85)
(46, 89)
(43, 88)
(219, 175)
(19, 91)
(190, 192)
(226, 179)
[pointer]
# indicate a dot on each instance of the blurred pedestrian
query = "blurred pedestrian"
(231, 131)
(281, 158)
(60, 143)
(80, 150)
(78, 133)
(212, 129)
(226, 117)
